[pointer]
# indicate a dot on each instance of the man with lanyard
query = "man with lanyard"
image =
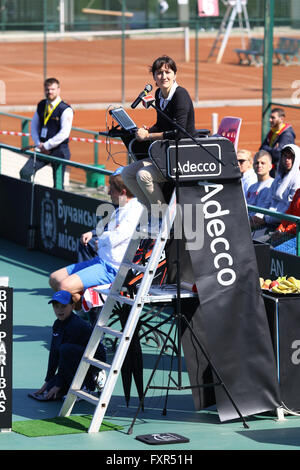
(279, 135)
(50, 129)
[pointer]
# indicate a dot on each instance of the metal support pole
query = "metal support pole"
(62, 16)
(268, 66)
(45, 5)
(196, 62)
(123, 50)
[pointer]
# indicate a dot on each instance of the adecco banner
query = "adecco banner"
(230, 320)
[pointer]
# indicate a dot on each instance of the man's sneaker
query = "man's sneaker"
(100, 380)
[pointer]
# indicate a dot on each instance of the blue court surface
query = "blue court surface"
(28, 273)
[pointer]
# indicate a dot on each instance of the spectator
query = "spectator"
(113, 241)
(284, 186)
(50, 130)
(287, 227)
(70, 335)
(245, 161)
(258, 193)
(279, 135)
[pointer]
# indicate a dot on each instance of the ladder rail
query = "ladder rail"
(125, 336)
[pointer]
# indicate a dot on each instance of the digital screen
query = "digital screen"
(123, 119)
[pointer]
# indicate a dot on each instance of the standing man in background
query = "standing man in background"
(279, 135)
(50, 130)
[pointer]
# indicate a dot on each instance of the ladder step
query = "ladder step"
(122, 298)
(110, 331)
(136, 267)
(96, 363)
(85, 396)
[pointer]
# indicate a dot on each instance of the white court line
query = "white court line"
(21, 72)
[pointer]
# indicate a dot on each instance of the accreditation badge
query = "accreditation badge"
(44, 132)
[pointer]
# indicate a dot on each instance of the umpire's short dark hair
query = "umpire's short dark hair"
(163, 60)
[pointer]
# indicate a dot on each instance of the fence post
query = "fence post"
(96, 150)
(123, 51)
(58, 176)
(25, 130)
(268, 66)
(45, 27)
(196, 62)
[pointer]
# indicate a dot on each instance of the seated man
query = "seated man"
(245, 161)
(259, 193)
(113, 241)
(70, 335)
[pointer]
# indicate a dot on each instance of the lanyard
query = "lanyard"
(48, 112)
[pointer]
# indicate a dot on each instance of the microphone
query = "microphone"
(147, 101)
(145, 92)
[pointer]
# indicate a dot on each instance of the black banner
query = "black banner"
(59, 217)
(6, 313)
(283, 264)
(284, 317)
(62, 218)
(230, 320)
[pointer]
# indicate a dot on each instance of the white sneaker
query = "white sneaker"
(100, 380)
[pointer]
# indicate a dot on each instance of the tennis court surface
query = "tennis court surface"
(32, 320)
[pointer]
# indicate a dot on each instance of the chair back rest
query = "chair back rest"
(256, 44)
(230, 128)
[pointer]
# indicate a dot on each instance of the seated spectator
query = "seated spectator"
(280, 134)
(283, 188)
(70, 335)
(245, 161)
(287, 226)
(113, 241)
(259, 193)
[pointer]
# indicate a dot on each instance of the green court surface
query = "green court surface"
(28, 273)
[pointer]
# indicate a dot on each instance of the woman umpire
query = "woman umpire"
(142, 177)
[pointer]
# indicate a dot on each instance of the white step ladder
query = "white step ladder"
(114, 295)
(234, 7)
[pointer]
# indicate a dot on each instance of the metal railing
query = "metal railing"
(25, 121)
(58, 183)
(281, 216)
